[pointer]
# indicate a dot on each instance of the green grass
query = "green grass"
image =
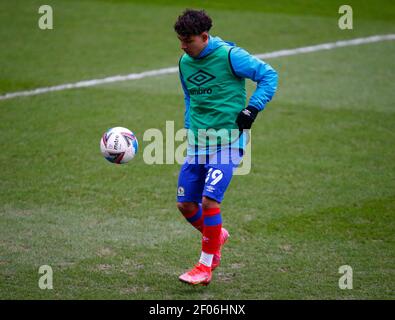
(321, 192)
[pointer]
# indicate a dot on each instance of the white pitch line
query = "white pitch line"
(157, 72)
(327, 46)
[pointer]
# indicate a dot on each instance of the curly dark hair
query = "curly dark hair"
(192, 23)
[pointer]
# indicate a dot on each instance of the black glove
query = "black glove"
(246, 117)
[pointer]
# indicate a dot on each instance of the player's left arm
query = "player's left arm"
(247, 66)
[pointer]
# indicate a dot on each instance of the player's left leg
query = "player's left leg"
(214, 236)
(218, 177)
(201, 273)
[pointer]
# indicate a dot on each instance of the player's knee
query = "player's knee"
(186, 207)
(208, 203)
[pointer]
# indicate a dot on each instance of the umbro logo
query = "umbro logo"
(201, 77)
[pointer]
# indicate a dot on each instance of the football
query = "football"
(118, 145)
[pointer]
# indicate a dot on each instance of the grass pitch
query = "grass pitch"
(321, 192)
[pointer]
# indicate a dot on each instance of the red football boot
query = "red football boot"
(200, 274)
(217, 256)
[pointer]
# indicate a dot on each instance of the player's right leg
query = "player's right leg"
(192, 212)
(189, 193)
(189, 198)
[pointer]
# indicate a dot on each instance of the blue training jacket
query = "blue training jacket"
(244, 65)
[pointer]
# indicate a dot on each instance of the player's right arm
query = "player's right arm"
(186, 100)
